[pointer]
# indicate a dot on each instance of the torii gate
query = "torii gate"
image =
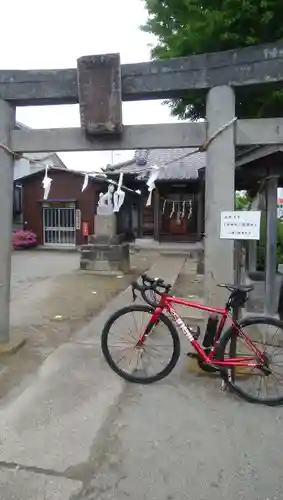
(99, 84)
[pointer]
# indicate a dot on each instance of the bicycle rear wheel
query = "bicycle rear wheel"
(262, 384)
(133, 360)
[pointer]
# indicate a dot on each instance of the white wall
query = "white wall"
(23, 167)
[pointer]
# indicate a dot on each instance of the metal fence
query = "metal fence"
(59, 226)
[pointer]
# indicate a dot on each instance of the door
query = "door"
(59, 227)
(128, 216)
(178, 216)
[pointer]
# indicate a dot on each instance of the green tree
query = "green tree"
(188, 27)
(242, 201)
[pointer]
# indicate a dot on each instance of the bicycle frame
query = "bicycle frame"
(166, 302)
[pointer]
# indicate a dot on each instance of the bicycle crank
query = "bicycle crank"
(203, 366)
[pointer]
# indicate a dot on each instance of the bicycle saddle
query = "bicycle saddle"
(240, 288)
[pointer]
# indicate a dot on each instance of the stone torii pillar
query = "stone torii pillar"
(7, 123)
(219, 194)
(271, 290)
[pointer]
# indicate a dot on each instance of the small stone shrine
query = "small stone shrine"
(106, 252)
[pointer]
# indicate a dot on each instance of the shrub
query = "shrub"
(24, 239)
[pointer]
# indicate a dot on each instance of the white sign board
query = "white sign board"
(78, 219)
(240, 225)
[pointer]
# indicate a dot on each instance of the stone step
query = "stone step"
(188, 250)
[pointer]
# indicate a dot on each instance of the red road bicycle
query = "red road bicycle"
(252, 370)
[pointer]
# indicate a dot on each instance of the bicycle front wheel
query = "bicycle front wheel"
(260, 338)
(146, 363)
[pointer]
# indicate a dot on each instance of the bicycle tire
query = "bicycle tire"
(130, 377)
(232, 384)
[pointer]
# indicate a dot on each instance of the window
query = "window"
(18, 199)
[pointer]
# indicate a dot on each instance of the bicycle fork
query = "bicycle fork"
(153, 322)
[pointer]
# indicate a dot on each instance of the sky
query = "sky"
(54, 34)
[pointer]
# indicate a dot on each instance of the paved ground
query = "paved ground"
(184, 439)
(78, 432)
(49, 421)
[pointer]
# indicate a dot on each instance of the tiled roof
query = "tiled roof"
(179, 168)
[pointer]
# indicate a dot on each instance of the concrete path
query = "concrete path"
(184, 439)
(48, 430)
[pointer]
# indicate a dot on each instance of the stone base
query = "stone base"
(116, 239)
(17, 340)
(103, 273)
(105, 259)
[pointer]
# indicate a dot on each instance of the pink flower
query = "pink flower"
(24, 238)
